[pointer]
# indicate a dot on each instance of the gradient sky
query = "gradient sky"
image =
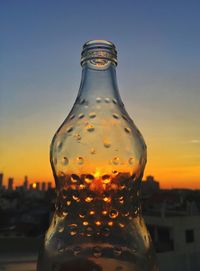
(158, 45)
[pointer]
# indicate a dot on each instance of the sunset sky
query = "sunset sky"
(158, 44)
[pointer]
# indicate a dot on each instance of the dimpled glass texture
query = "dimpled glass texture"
(98, 157)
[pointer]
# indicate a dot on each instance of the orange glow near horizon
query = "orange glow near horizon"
(168, 177)
(172, 158)
(164, 182)
(167, 164)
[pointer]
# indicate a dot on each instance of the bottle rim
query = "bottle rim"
(99, 49)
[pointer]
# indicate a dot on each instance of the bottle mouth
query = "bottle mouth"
(99, 52)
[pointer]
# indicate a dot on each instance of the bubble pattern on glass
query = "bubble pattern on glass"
(92, 212)
(83, 123)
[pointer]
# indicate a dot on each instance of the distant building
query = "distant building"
(19, 188)
(31, 186)
(43, 186)
(37, 186)
(10, 184)
(1, 181)
(25, 185)
(49, 185)
(150, 185)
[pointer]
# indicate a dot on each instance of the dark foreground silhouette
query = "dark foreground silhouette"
(80, 265)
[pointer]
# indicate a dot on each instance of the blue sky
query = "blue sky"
(159, 65)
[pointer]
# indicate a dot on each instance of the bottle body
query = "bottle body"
(98, 157)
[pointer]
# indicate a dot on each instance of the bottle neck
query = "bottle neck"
(98, 81)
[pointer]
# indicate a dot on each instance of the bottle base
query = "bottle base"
(97, 258)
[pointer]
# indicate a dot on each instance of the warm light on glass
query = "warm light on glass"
(98, 157)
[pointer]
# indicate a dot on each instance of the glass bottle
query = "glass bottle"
(98, 157)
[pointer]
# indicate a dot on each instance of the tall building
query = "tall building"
(37, 186)
(10, 184)
(43, 186)
(25, 186)
(49, 185)
(1, 181)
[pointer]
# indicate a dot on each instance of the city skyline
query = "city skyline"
(35, 184)
(158, 74)
(26, 184)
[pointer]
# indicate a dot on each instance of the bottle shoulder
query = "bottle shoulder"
(99, 133)
(105, 118)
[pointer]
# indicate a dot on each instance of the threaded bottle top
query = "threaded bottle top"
(99, 52)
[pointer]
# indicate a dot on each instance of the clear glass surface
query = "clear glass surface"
(98, 157)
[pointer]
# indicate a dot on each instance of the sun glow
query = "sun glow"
(97, 173)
